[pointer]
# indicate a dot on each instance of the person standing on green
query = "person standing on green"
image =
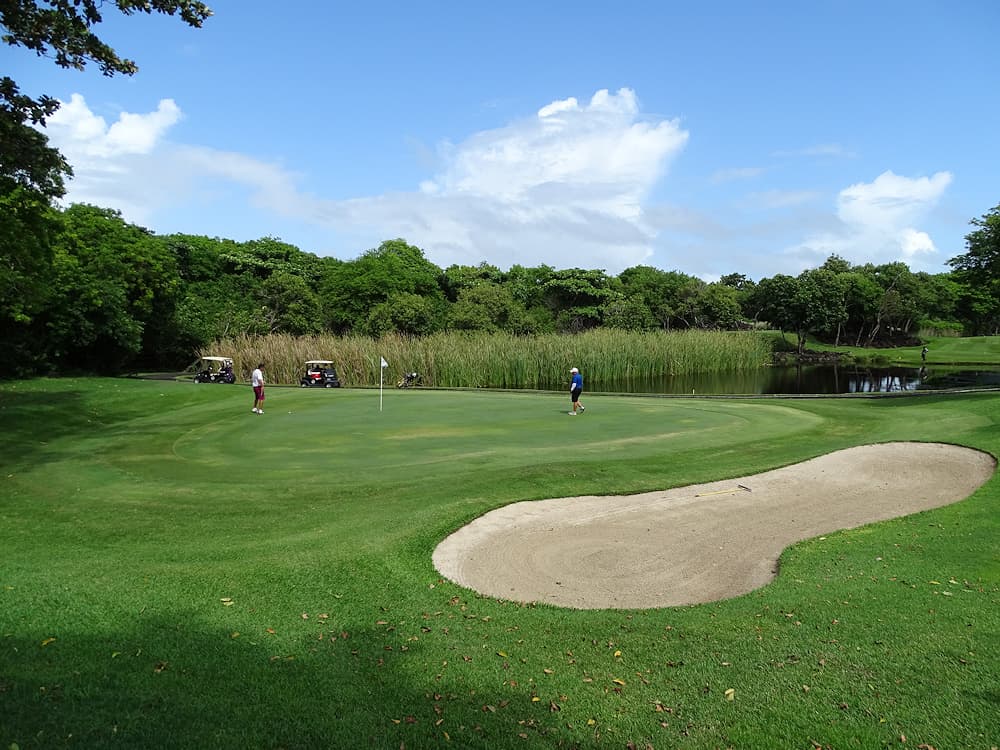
(575, 389)
(257, 381)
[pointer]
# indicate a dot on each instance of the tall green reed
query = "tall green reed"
(501, 360)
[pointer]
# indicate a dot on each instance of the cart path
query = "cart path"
(698, 543)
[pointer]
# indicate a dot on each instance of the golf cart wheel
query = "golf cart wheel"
(329, 385)
(303, 385)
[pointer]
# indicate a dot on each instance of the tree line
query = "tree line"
(82, 289)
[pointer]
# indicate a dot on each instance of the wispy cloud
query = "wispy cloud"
(866, 222)
(770, 199)
(736, 173)
(834, 150)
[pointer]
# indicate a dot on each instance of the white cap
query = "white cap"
(574, 370)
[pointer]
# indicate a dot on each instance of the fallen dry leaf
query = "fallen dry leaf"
(47, 641)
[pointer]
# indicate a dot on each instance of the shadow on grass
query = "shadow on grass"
(32, 419)
(170, 685)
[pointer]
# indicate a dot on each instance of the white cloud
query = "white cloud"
(914, 243)
(890, 201)
(877, 220)
(565, 187)
(83, 136)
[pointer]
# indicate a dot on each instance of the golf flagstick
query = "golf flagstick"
(381, 371)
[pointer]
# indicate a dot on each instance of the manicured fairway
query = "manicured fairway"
(178, 572)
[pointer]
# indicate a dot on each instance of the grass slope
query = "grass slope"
(178, 572)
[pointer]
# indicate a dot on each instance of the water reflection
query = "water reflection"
(808, 379)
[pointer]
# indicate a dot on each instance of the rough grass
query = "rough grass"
(178, 573)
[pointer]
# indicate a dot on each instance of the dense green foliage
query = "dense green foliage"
(978, 270)
(180, 573)
(81, 289)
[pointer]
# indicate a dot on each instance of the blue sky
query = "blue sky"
(710, 137)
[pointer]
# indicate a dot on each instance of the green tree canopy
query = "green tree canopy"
(576, 297)
(113, 284)
(666, 293)
(979, 269)
(350, 290)
(488, 307)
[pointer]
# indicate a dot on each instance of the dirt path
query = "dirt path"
(702, 542)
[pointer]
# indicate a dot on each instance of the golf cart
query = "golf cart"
(410, 380)
(320, 374)
(215, 370)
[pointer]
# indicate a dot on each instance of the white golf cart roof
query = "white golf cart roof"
(319, 361)
(217, 359)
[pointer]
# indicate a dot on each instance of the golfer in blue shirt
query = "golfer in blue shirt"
(575, 389)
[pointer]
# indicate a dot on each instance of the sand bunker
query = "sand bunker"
(702, 542)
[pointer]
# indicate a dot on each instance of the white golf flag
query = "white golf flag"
(381, 373)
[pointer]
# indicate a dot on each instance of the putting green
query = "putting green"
(344, 431)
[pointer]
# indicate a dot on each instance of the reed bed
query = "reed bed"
(501, 360)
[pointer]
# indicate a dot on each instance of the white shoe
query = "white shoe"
(571, 413)
(260, 411)
(583, 408)
(254, 410)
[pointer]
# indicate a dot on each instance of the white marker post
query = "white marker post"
(380, 372)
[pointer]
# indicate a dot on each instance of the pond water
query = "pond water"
(811, 379)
